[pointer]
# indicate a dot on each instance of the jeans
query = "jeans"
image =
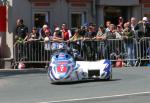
(130, 51)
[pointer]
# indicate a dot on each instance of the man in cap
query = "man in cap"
(21, 30)
(143, 28)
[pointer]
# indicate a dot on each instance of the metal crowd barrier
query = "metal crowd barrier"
(91, 50)
(144, 50)
(126, 50)
(31, 52)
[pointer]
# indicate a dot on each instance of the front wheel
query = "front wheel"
(110, 77)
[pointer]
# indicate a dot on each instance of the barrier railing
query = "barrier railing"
(144, 50)
(90, 50)
(31, 52)
(124, 50)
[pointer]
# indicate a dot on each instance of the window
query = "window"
(77, 19)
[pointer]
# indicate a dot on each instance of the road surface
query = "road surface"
(130, 85)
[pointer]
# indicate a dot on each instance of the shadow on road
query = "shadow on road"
(84, 81)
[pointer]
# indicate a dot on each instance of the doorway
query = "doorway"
(40, 18)
(111, 13)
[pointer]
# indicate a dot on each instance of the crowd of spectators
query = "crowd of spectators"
(124, 30)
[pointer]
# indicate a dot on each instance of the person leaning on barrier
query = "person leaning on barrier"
(57, 35)
(90, 34)
(100, 33)
(48, 36)
(21, 31)
(75, 40)
(120, 29)
(31, 43)
(42, 31)
(20, 34)
(110, 46)
(76, 36)
(33, 36)
(128, 35)
(56, 38)
(66, 33)
(83, 30)
(88, 44)
(112, 33)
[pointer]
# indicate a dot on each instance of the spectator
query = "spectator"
(112, 33)
(89, 46)
(75, 42)
(90, 34)
(76, 36)
(110, 46)
(20, 34)
(107, 25)
(32, 45)
(83, 30)
(42, 31)
(143, 28)
(34, 35)
(47, 43)
(100, 33)
(57, 35)
(128, 35)
(120, 29)
(21, 30)
(66, 33)
(120, 22)
(100, 37)
(48, 34)
(133, 25)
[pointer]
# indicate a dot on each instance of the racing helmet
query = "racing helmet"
(62, 46)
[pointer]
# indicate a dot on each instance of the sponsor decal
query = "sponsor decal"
(61, 69)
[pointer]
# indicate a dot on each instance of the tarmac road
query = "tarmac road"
(130, 85)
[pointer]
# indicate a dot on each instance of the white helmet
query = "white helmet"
(61, 46)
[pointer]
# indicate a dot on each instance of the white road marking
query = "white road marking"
(102, 97)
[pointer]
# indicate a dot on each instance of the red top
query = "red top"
(65, 34)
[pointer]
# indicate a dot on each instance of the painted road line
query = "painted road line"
(102, 97)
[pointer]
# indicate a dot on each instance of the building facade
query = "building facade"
(55, 12)
(145, 5)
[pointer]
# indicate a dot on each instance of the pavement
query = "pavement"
(23, 71)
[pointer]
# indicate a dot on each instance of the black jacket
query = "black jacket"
(140, 30)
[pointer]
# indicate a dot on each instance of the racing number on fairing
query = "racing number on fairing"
(61, 69)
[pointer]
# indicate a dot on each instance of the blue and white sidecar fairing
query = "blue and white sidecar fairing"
(64, 68)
